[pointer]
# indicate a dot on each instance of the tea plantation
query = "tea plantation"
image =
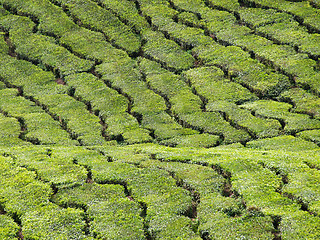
(159, 119)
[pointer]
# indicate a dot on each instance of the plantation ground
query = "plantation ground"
(159, 119)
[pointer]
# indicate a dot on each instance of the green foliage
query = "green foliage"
(54, 223)
(40, 126)
(310, 135)
(4, 48)
(259, 17)
(303, 101)
(189, 18)
(210, 83)
(279, 110)
(93, 16)
(30, 78)
(172, 227)
(115, 219)
(127, 12)
(186, 36)
(57, 24)
(110, 105)
(10, 131)
(222, 218)
(213, 123)
(248, 71)
(288, 143)
(231, 5)
(301, 225)
(88, 194)
(199, 140)
(39, 48)
(91, 45)
(65, 108)
(166, 52)
(20, 192)
(257, 126)
(8, 228)
(201, 179)
(127, 79)
(165, 126)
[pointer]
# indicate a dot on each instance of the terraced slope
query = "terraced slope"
(159, 119)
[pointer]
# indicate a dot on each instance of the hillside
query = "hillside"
(159, 119)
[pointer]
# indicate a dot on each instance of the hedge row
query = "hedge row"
(126, 11)
(86, 129)
(8, 228)
(10, 132)
(208, 185)
(247, 71)
(307, 14)
(41, 128)
(283, 28)
(281, 111)
(54, 169)
(310, 135)
(165, 202)
(258, 127)
(219, 217)
(32, 80)
(184, 104)
(161, 16)
(95, 17)
(42, 87)
(210, 83)
(28, 200)
(112, 215)
(224, 26)
(304, 102)
(39, 10)
(166, 51)
(253, 176)
(42, 49)
(110, 106)
(147, 104)
(91, 45)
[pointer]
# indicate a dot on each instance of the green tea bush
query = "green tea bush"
(210, 83)
(116, 219)
(213, 123)
(199, 140)
(303, 101)
(310, 135)
(53, 222)
(65, 108)
(248, 72)
(8, 228)
(40, 126)
(288, 143)
(167, 226)
(39, 49)
(110, 105)
(57, 24)
(127, 11)
(166, 51)
(10, 131)
(99, 19)
(230, 5)
(216, 222)
(31, 79)
(165, 127)
(91, 45)
(259, 127)
(279, 110)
